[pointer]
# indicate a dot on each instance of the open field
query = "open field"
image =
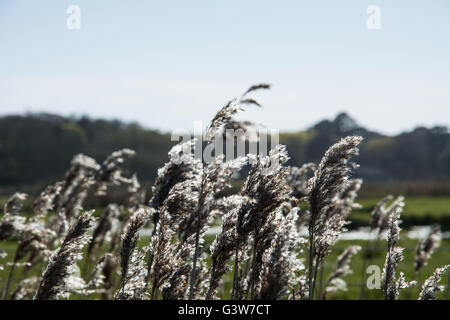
(418, 211)
(440, 257)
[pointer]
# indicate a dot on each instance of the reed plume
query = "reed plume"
(281, 263)
(132, 262)
(330, 199)
(223, 246)
(215, 176)
(389, 284)
(335, 281)
(378, 213)
(267, 190)
(298, 179)
(56, 281)
(12, 224)
(109, 173)
(431, 286)
(425, 248)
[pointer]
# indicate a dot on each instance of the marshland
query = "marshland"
(246, 227)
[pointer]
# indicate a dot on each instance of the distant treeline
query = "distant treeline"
(36, 149)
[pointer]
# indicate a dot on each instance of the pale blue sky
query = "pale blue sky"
(169, 63)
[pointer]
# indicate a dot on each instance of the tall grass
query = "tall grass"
(257, 254)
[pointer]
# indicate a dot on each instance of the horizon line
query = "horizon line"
(79, 116)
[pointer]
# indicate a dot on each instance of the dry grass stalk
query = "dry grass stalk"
(431, 285)
(330, 198)
(56, 281)
(335, 281)
(425, 248)
(134, 272)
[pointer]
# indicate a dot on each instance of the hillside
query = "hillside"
(37, 148)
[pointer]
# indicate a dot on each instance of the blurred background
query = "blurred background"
(92, 77)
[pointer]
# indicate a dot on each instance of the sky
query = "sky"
(167, 64)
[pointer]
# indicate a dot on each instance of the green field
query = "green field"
(439, 258)
(418, 211)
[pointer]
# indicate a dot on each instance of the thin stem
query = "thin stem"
(364, 275)
(154, 289)
(11, 271)
(194, 264)
(252, 284)
(448, 286)
(197, 237)
(150, 257)
(316, 269)
(149, 267)
(363, 278)
(386, 285)
(210, 292)
(310, 268)
(319, 291)
(363, 271)
(236, 270)
(300, 290)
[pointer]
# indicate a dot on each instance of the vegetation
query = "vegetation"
(353, 280)
(36, 149)
(278, 237)
(418, 211)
